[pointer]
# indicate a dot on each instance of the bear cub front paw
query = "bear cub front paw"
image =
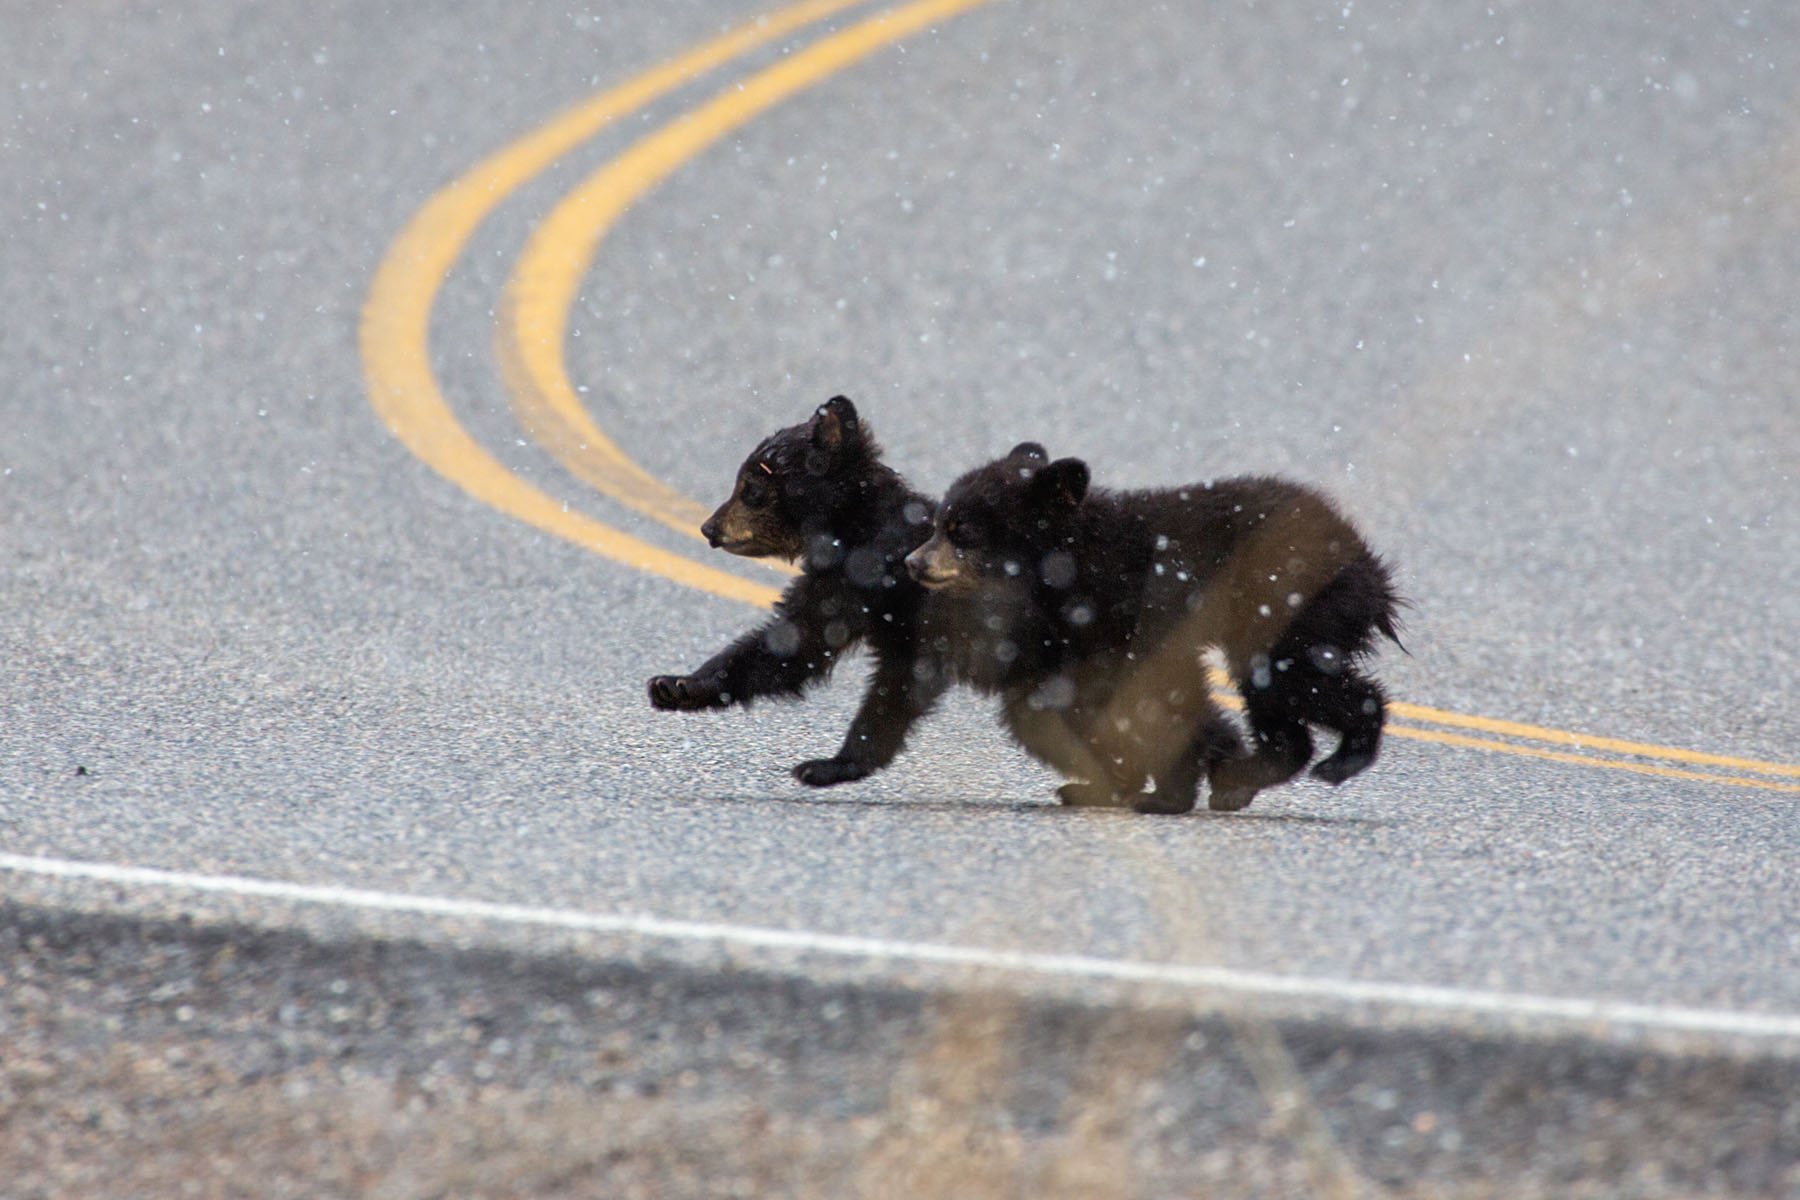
(684, 693)
(823, 772)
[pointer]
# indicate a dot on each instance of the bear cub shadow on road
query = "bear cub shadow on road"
(1089, 613)
(1007, 808)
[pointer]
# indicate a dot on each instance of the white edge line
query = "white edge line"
(1224, 979)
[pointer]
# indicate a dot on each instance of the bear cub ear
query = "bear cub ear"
(834, 425)
(1064, 483)
(1031, 452)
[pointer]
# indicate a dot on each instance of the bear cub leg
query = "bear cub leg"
(1356, 709)
(1279, 748)
(903, 689)
(1177, 787)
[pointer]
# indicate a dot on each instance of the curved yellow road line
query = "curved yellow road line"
(535, 306)
(542, 289)
(395, 331)
(1457, 739)
(395, 339)
(1225, 696)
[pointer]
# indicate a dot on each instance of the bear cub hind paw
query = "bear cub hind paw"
(1167, 802)
(1082, 794)
(1230, 799)
(1341, 766)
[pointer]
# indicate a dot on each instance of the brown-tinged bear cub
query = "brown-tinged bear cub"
(1091, 614)
(818, 493)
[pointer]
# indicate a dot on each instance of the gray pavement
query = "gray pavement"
(1515, 285)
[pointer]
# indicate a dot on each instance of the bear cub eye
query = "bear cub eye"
(963, 534)
(755, 492)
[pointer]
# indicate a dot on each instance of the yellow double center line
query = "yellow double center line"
(1577, 743)
(533, 327)
(396, 323)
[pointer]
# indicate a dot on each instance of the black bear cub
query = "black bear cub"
(1091, 613)
(818, 493)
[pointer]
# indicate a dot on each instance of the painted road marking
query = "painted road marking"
(1416, 712)
(1447, 1001)
(540, 294)
(396, 322)
(1438, 716)
(1456, 739)
(542, 289)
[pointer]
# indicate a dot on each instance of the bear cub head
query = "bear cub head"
(799, 483)
(1012, 521)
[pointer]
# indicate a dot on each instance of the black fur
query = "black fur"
(819, 493)
(1089, 613)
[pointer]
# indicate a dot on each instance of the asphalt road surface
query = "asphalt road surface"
(364, 372)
